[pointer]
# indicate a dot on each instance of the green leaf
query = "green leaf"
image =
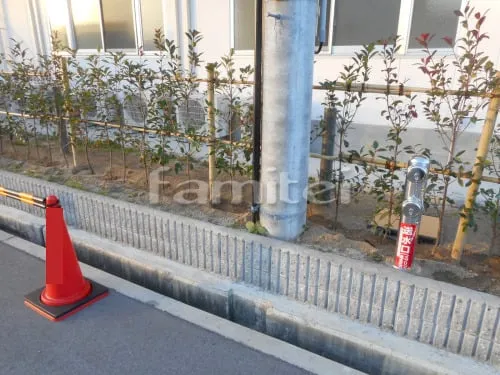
(250, 226)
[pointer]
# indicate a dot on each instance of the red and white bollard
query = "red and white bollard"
(411, 212)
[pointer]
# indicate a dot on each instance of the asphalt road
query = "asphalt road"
(117, 335)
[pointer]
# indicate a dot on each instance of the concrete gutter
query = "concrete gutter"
(366, 348)
(445, 316)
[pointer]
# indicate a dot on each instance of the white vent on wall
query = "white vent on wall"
(166, 107)
(17, 106)
(3, 102)
(237, 129)
(103, 111)
(22, 105)
(93, 113)
(192, 114)
(135, 110)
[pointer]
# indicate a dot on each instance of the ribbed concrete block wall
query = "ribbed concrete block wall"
(446, 316)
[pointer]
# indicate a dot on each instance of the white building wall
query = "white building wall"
(16, 23)
(25, 20)
(213, 18)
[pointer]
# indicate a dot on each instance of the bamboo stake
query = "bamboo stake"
(72, 129)
(368, 88)
(328, 145)
(477, 172)
(211, 131)
(345, 157)
(399, 165)
(139, 129)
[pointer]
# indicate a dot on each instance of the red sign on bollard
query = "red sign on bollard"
(406, 246)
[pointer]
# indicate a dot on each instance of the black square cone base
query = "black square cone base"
(57, 313)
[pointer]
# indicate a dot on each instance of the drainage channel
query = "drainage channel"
(360, 347)
(246, 312)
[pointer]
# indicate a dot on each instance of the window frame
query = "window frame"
(72, 34)
(238, 52)
(138, 32)
(135, 6)
(403, 30)
(418, 51)
(326, 50)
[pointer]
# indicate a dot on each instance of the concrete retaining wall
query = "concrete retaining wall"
(446, 316)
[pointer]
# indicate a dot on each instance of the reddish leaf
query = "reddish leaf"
(424, 69)
(477, 15)
(424, 36)
(423, 43)
(448, 40)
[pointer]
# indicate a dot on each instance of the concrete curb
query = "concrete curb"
(16, 222)
(354, 344)
(446, 316)
(257, 341)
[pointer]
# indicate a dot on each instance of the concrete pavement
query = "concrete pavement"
(119, 335)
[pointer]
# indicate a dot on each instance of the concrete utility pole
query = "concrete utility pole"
(288, 52)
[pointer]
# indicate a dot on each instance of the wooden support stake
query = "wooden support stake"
(327, 148)
(72, 135)
(211, 131)
(477, 172)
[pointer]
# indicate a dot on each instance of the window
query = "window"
(118, 20)
(434, 17)
(106, 24)
(58, 16)
(327, 39)
(359, 22)
(244, 24)
(244, 20)
(86, 25)
(152, 19)
(352, 23)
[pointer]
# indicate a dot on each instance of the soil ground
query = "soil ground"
(354, 237)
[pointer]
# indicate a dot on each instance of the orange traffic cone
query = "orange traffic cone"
(65, 291)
